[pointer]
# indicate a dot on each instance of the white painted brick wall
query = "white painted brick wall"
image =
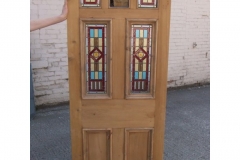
(190, 23)
(49, 55)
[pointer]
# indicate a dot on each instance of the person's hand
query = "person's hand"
(64, 10)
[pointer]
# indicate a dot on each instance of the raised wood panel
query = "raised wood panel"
(117, 116)
(118, 113)
(138, 144)
(97, 144)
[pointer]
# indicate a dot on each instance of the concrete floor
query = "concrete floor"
(187, 134)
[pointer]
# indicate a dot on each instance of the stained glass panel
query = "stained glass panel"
(90, 3)
(96, 58)
(147, 3)
(141, 47)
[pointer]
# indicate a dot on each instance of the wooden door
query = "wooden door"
(118, 54)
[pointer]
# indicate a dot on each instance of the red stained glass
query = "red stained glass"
(90, 3)
(96, 58)
(147, 3)
(140, 58)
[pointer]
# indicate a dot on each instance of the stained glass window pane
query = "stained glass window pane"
(90, 3)
(141, 36)
(96, 61)
(147, 3)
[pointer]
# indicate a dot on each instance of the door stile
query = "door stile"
(74, 79)
(161, 87)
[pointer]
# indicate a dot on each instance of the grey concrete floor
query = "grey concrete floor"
(187, 132)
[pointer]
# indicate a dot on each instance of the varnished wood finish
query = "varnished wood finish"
(151, 94)
(83, 23)
(138, 144)
(161, 85)
(118, 144)
(74, 79)
(97, 144)
(117, 114)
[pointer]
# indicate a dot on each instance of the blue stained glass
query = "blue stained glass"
(136, 75)
(99, 75)
(91, 32)
(137, 33)
(144, 75)
(92, 75)
(100, 33)
(145, 33)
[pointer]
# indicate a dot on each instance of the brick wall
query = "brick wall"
(49, 55)
(190, 24)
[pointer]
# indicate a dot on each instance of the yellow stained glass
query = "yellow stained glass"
(136, 66)
(140, 55)
(95, 32)
(96, 75)
(145, 48)
(88, 0)
(91, 41)
(141, 33)
(100, 67)
(137, 42)
(96, 54)
(140, 75)
(144, 66)
(145, 1)
(145, 42)
(92, 61)
(100, 42)
(92, 67)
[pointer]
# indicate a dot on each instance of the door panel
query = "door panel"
(138, 144)
(97, 144)
(114, 117)
(118, 113)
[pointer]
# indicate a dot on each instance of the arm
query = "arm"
(37, 24)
